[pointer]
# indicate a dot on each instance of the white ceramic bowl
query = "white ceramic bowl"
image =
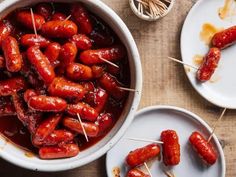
(17, 156)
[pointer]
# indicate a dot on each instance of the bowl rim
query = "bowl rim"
(130, 114)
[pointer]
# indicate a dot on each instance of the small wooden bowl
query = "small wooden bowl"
(134, 8)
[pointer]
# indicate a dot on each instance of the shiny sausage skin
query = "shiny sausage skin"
(98, 71)
(136, 173)
(28, 94)
(58, 16)
(20, 109)
(5, 30)
(104, 122)
(41, 64)
(47, 103)
(100, 99)
(85, 111)
(2, 62)
(6, 107)
(81, 41)
(111, 85)
(91, 129)
(56, 152)
(209, 64)
(68, 53)
(24, 17)
(63, 88)
(204, 149)
(12, 54)
(55, 138)
(46, 127)
(11, 86)
(92, 57)
(170, 148)
(97, 98)
(224, 38)
(59, 29)
(139, 156)
(52, 52)
(29, 40)
(44, 10)
(81, 17)
(78, 72)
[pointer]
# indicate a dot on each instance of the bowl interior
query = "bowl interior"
(19, 157)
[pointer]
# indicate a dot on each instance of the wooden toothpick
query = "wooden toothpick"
(215, 125)
(148, 170)
(183, 63)
(169, 174)
(107, 61)
(32, 18)
(144, 140)
(128, 89)
(81, 123)
(67, 18)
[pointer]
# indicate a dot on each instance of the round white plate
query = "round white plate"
(222, 91)
(149, 123)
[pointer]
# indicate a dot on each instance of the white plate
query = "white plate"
(149, 123)
(222, 92)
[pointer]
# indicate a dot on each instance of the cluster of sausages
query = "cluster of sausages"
(57, 74)
(220, 40)
(170, 152)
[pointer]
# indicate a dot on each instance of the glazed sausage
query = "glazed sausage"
(81, 41)
(104, 122)
(28, 94)
(68, 53)
(11, 86)
(5, 30)
(77, 72)
(46, 127)
(41, 64)
(97, 98)
(136, 173)
(12, 54)
(44, 9)
(55, 138)
(66, 89)
(2, 62)
(141, 155)
(47, 103)
(81, 17)
(91, 57)
(170, 147)
(100, 99)
(204, 149)
(110, 84)
(91, 129)
(224, 38)
(52, 52)
(56, 152)
(59, 29)
(58, 16)
(6, 107)
(98, 71)
(29, 40)
(20, 109)
(88, 86)
(85, 111)
(209, 65)
(25, 18)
